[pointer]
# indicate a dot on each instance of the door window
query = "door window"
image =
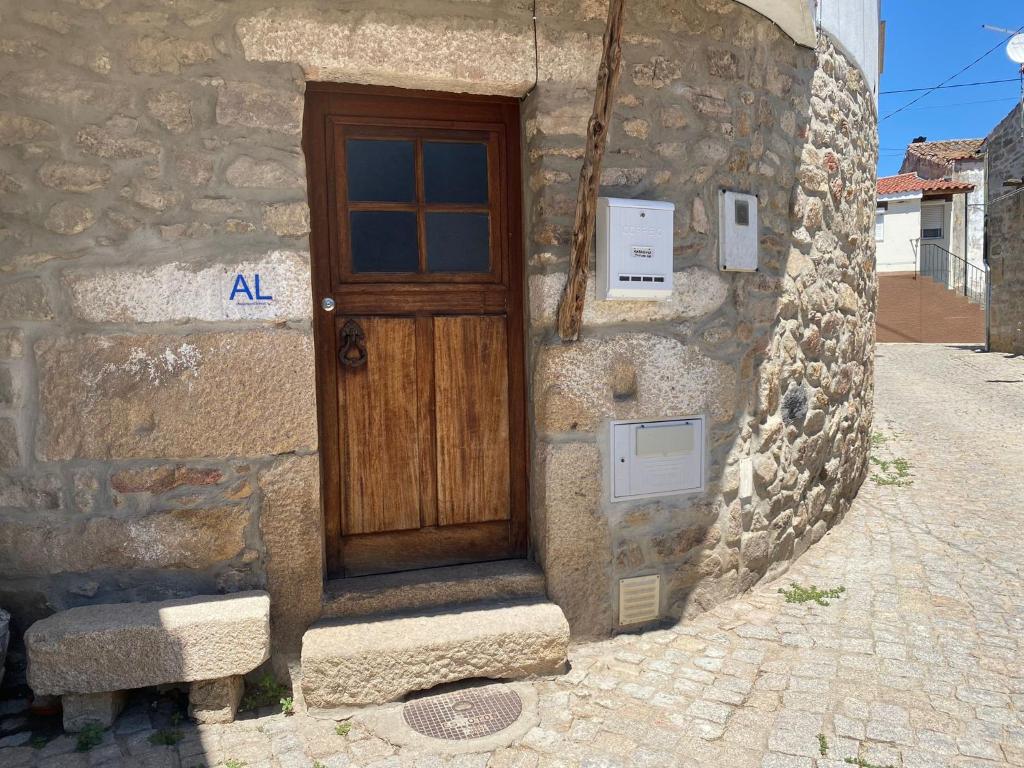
(380, 171)
(417, 206)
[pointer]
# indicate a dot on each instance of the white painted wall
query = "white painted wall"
(896, 251)
(973, 172)
(854, 25)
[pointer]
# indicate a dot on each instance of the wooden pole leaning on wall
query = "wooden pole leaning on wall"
(570, 311)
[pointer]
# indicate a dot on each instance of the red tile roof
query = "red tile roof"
(946, 151)
(911, 182)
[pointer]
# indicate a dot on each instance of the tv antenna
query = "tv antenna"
(1015, 50)
(1015, 45)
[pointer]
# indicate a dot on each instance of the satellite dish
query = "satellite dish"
(1015, 48)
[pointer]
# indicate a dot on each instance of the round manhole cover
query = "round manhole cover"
(460, 715)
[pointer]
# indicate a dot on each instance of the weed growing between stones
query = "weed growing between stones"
(232, 763)
(800, 594)
(267, 692)
(822, 744)
(165, 737)
(878, 439)
(38, 742)
(342, 729)
(895, 472)
(862, 763)
(89, 737)
(288, 705)
(318, 764)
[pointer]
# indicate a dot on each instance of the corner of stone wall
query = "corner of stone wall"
(780, 361)
(1005, 230)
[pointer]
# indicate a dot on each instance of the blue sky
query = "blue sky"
(926, 42)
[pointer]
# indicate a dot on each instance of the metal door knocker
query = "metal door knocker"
(352, 352)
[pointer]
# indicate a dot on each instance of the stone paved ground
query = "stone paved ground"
(917, 665)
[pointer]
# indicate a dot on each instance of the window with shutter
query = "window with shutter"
(879, 227)
(932, 218)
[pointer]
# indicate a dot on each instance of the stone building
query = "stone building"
(1004, 151)
(174, 416)
(958, 160)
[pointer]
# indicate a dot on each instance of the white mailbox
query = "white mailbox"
(634, 249)
(657, 458)
(737, 231)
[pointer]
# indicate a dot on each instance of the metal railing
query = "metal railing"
(953, 271)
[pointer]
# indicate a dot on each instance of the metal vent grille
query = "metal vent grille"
(639, 599)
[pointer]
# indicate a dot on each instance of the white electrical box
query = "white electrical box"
(737, 231)
(634, 249)
(657, 458)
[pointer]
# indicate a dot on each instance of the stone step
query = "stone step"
(432, 588)
(380, 659)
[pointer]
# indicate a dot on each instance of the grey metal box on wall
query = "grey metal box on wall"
(738, 237)
(657, 458)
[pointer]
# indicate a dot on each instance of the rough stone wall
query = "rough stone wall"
(712, 96)
(159, 439)
(1005, 233)
(925, 167)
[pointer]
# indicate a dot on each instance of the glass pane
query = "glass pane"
(380, 171)
(454, 172)
(458, 242)
(384, 241)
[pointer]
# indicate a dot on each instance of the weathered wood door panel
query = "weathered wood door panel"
(379, 430)
(417, 252)
(471, 393)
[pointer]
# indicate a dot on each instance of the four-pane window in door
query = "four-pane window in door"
(418, 205)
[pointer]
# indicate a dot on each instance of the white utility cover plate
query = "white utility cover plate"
(634, 249)
(737, 231)
(657, 458)
(639, 599)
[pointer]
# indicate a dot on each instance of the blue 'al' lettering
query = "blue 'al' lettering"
(259, 295)
(241, 286)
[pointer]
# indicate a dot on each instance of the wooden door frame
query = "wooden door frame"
(321, 99)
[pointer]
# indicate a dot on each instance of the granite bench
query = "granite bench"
(89, 656)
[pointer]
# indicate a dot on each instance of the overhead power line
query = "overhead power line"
(955, 85)
(951, 77)
(965, 103)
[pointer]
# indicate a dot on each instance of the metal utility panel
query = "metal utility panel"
(657, 458)
(634, 249)
(737, 232)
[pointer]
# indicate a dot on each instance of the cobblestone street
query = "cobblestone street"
(915, 665)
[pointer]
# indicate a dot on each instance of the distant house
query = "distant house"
(956, 160)
(912, 212)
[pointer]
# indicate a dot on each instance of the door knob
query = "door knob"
(328, 304)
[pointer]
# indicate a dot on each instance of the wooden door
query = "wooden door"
(418, 291)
